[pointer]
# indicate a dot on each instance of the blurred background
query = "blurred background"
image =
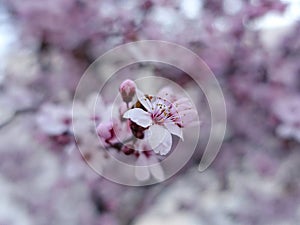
(252, 47)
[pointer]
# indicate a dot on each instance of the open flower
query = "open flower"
(161, 119)
(147, 166)
(54, 120)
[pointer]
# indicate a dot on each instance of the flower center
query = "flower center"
(162, 110)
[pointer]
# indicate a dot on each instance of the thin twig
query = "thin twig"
(18, 112)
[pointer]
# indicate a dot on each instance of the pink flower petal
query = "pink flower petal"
(139, 116)
(189, 118)
(167, 93)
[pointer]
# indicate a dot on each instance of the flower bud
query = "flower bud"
(128, 149)
(105, 131)
(137, 130)
(127, 90)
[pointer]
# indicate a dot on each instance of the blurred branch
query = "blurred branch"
(17, 113)
(29, 109)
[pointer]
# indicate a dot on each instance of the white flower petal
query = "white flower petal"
(174, 129)
(159, 139)
(144, 101)
(156, 169)
(139, 116)
(142, 172)
(155, 135)
(157, 172)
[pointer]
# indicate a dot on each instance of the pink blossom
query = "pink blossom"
(161, 118)
(105, 131)
(54, 119)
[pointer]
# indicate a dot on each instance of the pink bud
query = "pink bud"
(105, 131)
(127, 90)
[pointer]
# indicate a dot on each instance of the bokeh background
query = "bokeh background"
(252, 47)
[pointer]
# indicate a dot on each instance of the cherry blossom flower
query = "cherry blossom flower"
(54, 119)
(160, 118)
(105, 131)
(256, 174)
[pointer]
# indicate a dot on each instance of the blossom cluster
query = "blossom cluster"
(145, 125)
(45, 179)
